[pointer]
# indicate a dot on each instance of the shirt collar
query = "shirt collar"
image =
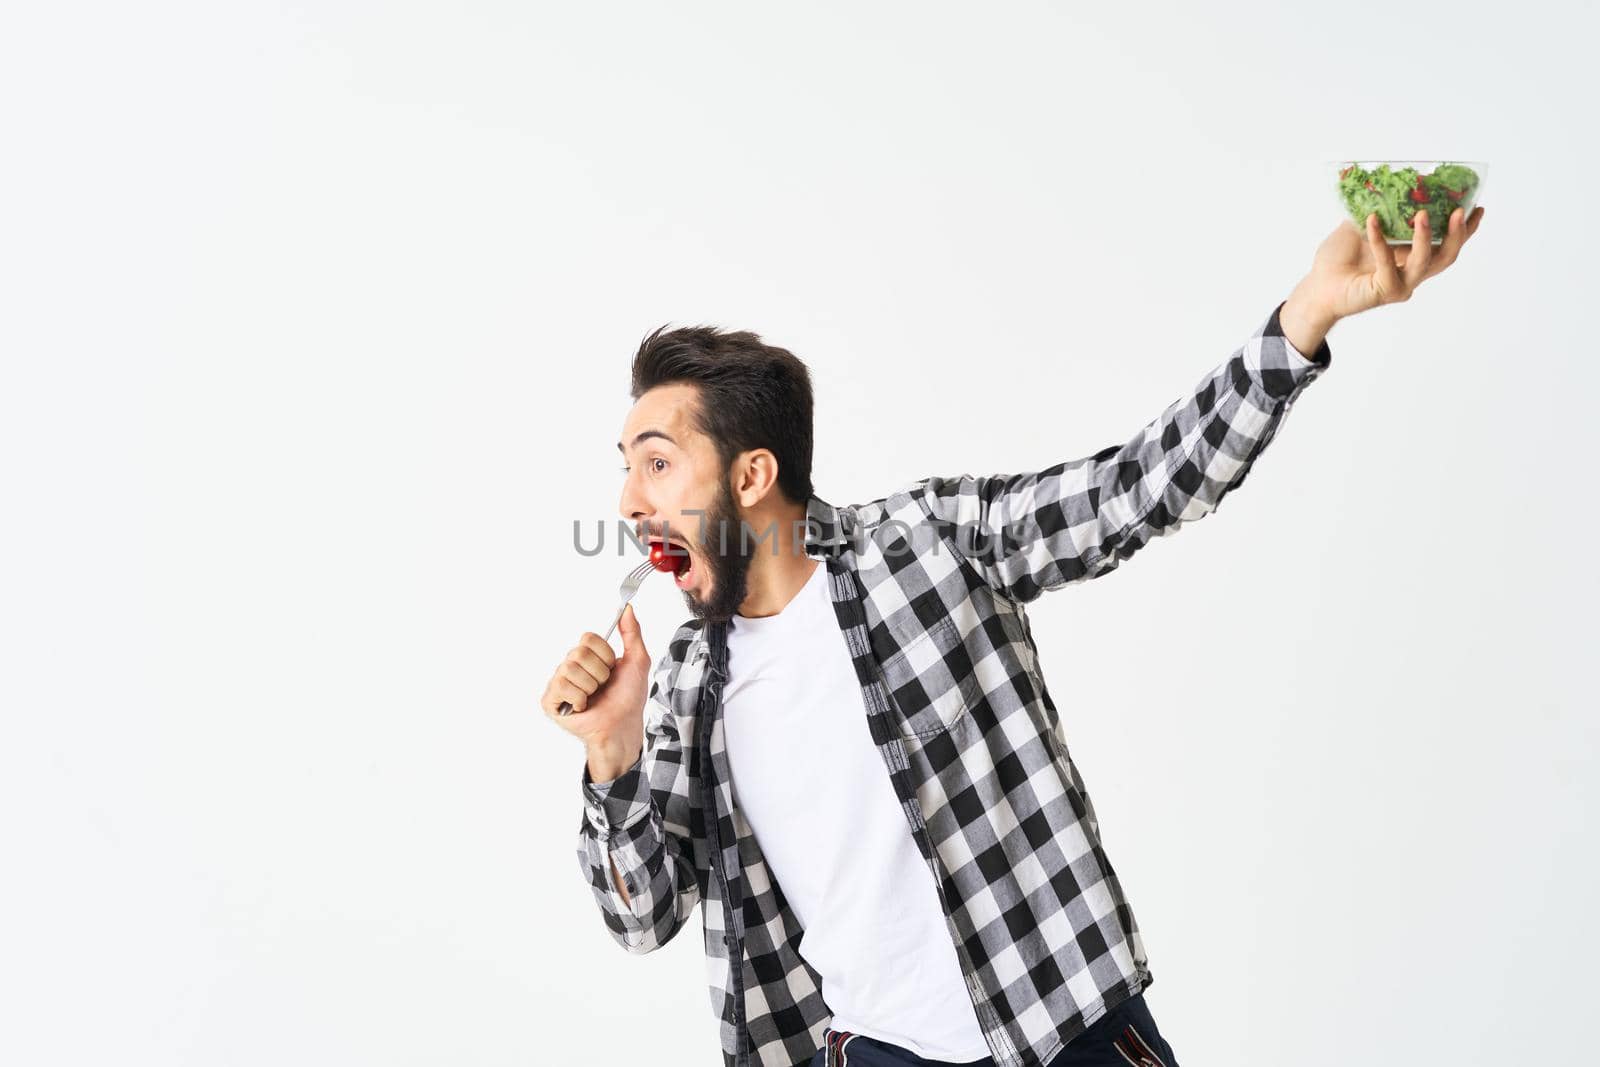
(827, 528)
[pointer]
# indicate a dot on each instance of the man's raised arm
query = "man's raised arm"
(1032, 532)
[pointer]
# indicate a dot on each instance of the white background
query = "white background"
(316, 321)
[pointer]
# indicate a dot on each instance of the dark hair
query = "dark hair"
(751, 395)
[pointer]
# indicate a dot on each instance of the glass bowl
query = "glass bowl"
(1398, 188)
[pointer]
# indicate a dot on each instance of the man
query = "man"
(849, 754)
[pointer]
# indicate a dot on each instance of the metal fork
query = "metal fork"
(630, 586)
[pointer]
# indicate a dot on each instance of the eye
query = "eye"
(659, 460)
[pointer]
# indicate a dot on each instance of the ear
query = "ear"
(754, 476)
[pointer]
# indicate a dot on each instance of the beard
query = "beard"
(728, 571)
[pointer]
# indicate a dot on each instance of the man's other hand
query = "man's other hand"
(1353, 272)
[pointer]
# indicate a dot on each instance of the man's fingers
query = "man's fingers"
(1460, 229)
(574, 672)
(561, 690)
(600, 647)
(586, 657)
(580, 675)
(1421, 251)
(1455, 234)
(1388, 276)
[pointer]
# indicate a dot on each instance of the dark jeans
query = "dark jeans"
(1122, 1036)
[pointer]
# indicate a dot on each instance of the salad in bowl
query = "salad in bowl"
(1397, 189)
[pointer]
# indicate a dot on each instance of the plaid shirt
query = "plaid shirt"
(929, 585)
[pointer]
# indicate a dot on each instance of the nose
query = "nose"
(633, 506)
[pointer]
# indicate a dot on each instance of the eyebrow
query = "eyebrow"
(643, 435)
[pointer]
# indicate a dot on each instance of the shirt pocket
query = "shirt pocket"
(931, 681)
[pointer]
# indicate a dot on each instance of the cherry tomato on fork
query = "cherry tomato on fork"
(668, 557)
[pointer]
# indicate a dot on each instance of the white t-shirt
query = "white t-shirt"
(810, 781)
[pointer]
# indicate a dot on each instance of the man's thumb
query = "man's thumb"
(632, 636)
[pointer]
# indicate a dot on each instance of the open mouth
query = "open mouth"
(674, 558)
(684, 578)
